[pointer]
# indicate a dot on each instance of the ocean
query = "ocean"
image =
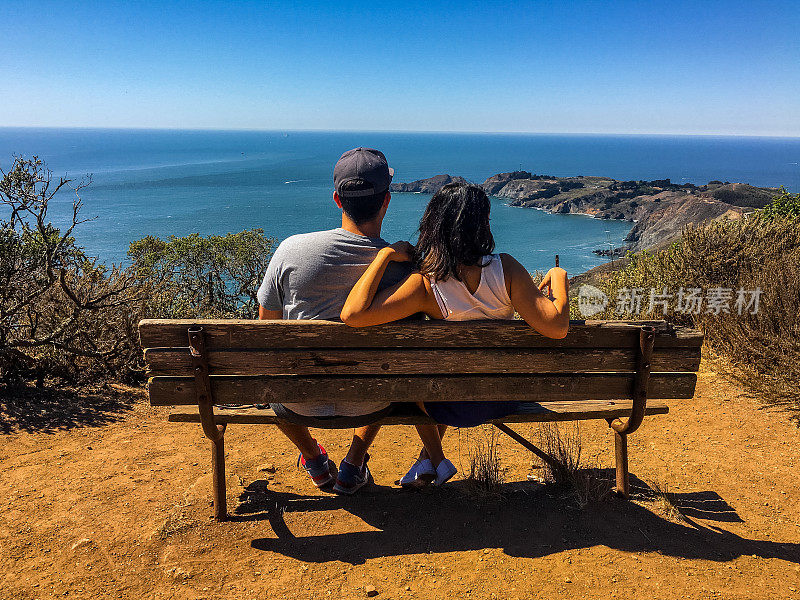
(164, 182)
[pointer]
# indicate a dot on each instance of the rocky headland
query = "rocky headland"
(659, 210)
(430, 185)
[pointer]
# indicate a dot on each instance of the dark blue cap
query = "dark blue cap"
(365, 165)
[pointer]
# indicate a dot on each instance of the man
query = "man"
(309, 277)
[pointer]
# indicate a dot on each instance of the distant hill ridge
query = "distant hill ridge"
(660, 209)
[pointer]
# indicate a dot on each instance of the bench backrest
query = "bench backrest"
(253, 362)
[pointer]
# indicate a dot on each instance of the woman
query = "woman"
(457, 278)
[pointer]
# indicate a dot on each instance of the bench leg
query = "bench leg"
(218, 478)
(213, 431)
(621, 453)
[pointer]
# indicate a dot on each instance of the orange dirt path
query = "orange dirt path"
(122, 510)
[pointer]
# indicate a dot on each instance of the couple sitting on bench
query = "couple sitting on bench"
(353, 274)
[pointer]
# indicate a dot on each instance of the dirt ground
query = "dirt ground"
(112, 501)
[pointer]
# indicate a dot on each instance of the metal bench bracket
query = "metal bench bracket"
(526, 444)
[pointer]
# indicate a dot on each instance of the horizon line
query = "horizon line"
(397, 131)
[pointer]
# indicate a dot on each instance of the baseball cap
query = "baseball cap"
(364, 164)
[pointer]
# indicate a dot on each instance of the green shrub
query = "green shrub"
(783, 205)
(203, 277)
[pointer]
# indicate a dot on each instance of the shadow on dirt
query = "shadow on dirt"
(45, 410)
(528, 520)
(701, 505)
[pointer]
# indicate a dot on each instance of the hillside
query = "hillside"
(659, 209)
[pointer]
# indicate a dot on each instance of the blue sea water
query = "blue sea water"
(161, 182)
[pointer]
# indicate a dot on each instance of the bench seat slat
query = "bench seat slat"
(177, 361)
(173, 390)
(528, 413)
(222, 334)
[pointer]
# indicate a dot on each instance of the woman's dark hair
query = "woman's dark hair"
(454, 231)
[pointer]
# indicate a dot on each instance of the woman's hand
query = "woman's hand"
(556, 274)
(399, 251)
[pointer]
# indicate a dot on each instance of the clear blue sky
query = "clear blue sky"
(606, 67)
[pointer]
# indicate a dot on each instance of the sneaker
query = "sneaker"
(444, 471)
(352, 478)
(421, 473)
(321, 469)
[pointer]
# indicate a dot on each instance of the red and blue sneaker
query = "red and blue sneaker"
(352, 478)
(321, 469)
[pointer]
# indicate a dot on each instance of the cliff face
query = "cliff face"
(497, 182)
(660, 209)
(665, 221)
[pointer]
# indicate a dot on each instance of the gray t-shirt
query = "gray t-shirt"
(310, 276)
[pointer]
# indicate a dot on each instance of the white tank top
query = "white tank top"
(490, 300)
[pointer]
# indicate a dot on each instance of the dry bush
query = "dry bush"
(62, 314)
(755, 252)
(585, 484)
(485, 471)
(66, 318)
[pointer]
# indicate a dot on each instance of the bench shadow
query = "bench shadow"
(529, 520)
(706, 505)
(48, 409)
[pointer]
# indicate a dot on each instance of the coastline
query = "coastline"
(657, 210)
(140, 174)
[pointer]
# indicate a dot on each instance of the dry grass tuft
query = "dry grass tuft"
(485, 471)
(564, 446)
(664, 499)
(591, 485)
(177, 522)
(585, 484)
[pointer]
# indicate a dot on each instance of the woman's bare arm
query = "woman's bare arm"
(366, 306)
(548, 317)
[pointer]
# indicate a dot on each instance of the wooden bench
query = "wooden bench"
(617, 371)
